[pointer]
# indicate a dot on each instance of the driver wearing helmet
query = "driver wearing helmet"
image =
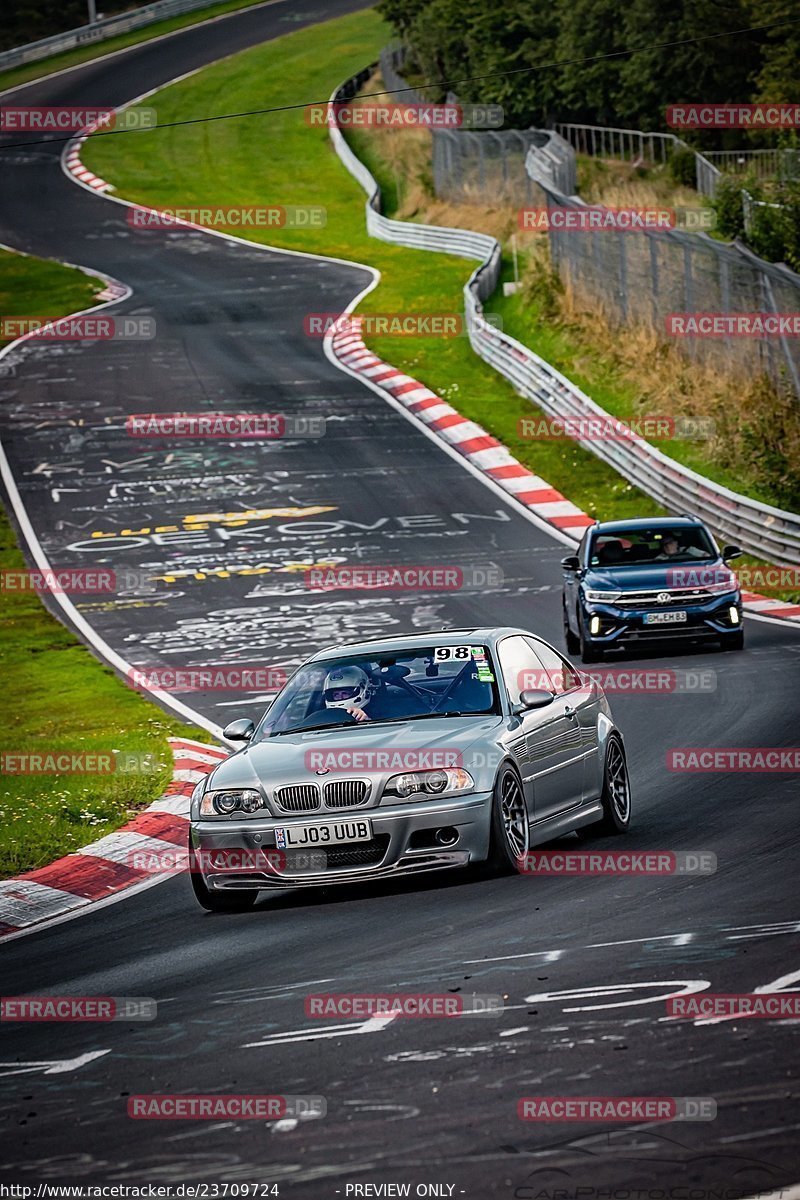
(350, 688)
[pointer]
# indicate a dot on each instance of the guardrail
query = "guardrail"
(629, 145)
(99, 31)
(759, 528)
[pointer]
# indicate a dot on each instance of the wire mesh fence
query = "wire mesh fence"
(654, 277)
(680, 284)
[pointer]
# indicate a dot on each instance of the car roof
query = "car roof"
(648, 523)
(482, 635)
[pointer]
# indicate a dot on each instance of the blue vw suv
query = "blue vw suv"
(659, 579)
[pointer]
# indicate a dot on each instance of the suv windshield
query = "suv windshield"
(453, 680)
(633, 547)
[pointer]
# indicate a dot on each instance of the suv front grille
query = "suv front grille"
(344, 793)
(677, 598)
(299, 797)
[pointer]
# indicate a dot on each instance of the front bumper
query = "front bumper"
(403, 843)
(626, 626)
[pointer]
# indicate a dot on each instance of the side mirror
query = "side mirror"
(729, 552)
(534, 698)
(571, 563)
(239, 731)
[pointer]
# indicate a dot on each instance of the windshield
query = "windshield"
(634, 547)
(453, 680)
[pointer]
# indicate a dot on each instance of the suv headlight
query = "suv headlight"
(421, 785)
(602, 597)
(721, 586)
(222, 803)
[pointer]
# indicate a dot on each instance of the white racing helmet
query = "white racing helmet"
(346, 687)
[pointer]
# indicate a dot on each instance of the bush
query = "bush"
(727, 204)
(682, 166)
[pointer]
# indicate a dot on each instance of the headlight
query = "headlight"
(722, 586)
(199, 788)
(237, 800)
(603, 597)
(419, 785)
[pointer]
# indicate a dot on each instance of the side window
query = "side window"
(563, 676)
(582, 548)
(522, 669)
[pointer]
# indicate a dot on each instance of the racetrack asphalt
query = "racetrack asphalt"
(419, 1101)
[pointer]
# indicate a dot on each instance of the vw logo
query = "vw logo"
(663, 597)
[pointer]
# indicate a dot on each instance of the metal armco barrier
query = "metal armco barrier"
(759, 528)
(99, 31)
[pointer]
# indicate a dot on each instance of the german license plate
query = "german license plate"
(665, 618)
(323, 833)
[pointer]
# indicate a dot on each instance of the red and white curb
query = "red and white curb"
(464, 436)
(104, 868)
(491, 457)
(73, 164)
(770, 608)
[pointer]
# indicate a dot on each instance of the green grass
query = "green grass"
(70, 58)
(279, 159)
(59, 696)
(34, 287)
(65, 700)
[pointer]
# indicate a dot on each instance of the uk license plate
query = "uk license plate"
(665, 618)
(323, 833)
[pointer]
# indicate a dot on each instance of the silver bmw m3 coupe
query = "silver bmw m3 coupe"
(407, 754)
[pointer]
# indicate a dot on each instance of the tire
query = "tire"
(733, 641)
(219, 902)
(571, 639)
(507, 849)
(588, 652)
(616, 816)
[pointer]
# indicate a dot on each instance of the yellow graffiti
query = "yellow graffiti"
(289, 568)
(202, 521)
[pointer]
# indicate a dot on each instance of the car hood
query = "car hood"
(383, 749)
(655, 575)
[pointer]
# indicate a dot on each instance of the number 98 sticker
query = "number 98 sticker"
(445, 653)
